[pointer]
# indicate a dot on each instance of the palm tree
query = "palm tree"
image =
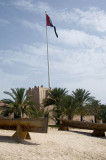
(19, 103)
(69, 106)
(33, 112)
(82, 97)
(94, 109)
(102, 113)
(55, 97)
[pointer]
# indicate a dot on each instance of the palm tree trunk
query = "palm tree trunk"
(95, 119)
(21, 115)
(57, 121)
(81, 118)
(17, 115)
(70, 117)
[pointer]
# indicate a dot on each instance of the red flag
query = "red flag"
(49, 23)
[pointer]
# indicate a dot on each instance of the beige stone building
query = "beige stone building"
(38, 93)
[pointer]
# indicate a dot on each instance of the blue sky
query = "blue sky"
(77, 57)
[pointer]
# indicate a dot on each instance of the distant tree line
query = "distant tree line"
(79, 102)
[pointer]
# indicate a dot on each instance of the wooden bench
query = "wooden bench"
(98, 128)
(24, 125)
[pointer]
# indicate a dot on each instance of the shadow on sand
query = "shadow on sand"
(87, 134)
(9, 139)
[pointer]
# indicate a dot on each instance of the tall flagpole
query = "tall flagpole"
(47, 57)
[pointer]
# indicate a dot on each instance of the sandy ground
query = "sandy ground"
(75, 144)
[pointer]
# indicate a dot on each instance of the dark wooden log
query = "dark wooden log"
(63, 128)
(24, 125)
(98, 128)
(98, 133)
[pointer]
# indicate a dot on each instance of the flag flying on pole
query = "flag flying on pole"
(49, 23)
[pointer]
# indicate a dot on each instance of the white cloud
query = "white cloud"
(34, 26)
(77, 58)
(94, 18)
(26, 4)
(70, 37)
(82, 55)
(67, 66)
(32, 6)
(76, 53)
(29, 56)
(79, 40)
